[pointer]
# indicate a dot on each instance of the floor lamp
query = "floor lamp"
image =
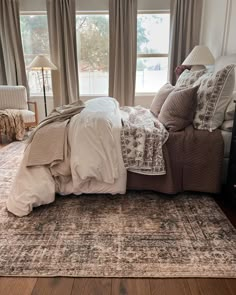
(41, 62)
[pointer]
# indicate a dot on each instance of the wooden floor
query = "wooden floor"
(91, 286)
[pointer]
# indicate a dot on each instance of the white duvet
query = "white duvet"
(93, 164)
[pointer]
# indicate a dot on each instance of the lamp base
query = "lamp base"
(198, 68)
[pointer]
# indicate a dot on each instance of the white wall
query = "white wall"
(218, 26)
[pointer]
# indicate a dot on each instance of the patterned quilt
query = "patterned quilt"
(142, 138)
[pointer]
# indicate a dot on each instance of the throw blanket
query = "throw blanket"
(11, 125)
(49, 140)
(142, 138)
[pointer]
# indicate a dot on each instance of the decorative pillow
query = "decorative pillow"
(213, 96)
(229, 113)
(188, 78)
(160, 98)
(178, 110)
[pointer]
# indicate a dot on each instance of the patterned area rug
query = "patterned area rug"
(135, 235)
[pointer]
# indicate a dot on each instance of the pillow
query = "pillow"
(229, 113)
(188, 78)
(178, 110)
(213, 96)
(160, 98)
(227, 125)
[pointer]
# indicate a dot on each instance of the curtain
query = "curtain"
(123, 50)
(62, 40)
(185, 24)
(12, 65)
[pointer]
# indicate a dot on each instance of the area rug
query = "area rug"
(140, 234)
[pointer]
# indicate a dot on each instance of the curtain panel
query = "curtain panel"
(123, 50)
(185, 25)
(63, 50)
(12, 65)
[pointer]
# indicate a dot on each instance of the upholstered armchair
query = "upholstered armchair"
(15, 97)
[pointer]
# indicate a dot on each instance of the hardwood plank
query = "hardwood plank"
(130, 287)
(16, 286)
(231, 284)
(208, 287)
(91, 286)
(169, 287)
(53, 286)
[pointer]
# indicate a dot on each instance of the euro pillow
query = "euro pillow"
(160, 98)
(188, 78)
(178, 110)
(213, 96)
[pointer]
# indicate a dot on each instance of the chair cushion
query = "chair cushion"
(28, 116)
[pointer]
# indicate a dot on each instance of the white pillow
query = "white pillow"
(227, 125)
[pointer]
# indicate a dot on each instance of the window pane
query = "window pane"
(34, 33)
(153, 33)
(93, 47)
(151, 74)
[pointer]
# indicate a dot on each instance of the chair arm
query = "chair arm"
(35, 110)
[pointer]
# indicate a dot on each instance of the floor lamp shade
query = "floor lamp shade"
(41, 62)
(199, 57)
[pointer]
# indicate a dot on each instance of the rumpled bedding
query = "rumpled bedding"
(93, 162)
(142, 138)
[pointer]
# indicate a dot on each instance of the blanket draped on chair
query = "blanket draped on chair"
(11, 125)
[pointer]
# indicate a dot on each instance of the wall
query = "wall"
(219, 21)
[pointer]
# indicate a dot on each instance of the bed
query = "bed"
(94, 163)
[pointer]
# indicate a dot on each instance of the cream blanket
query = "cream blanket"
(142, 138)
(49, 140)
(11, 125)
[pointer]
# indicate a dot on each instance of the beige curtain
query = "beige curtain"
(12, 65)
(123, 50)
(62, 39)
(184, 31)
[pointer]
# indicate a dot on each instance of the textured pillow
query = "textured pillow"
(160, 98)
(213, 96)
(178, 110)
(188, 78)
(229, 113)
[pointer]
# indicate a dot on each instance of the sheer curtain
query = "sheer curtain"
(184, 31)
(123, 50)
(62, 40)
(12, 65)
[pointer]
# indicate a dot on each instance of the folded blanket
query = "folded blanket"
(12, 124)
(142, 138)
(47, 142)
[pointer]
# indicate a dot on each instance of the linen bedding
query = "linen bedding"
(93, 162)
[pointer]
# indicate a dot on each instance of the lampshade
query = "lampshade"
(41, 61)
(199, 56)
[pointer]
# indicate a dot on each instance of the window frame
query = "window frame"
(151, 55)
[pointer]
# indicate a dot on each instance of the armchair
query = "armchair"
(15, 97)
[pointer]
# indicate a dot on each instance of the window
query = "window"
(152, 51)
(34, 34)
(93, 53)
